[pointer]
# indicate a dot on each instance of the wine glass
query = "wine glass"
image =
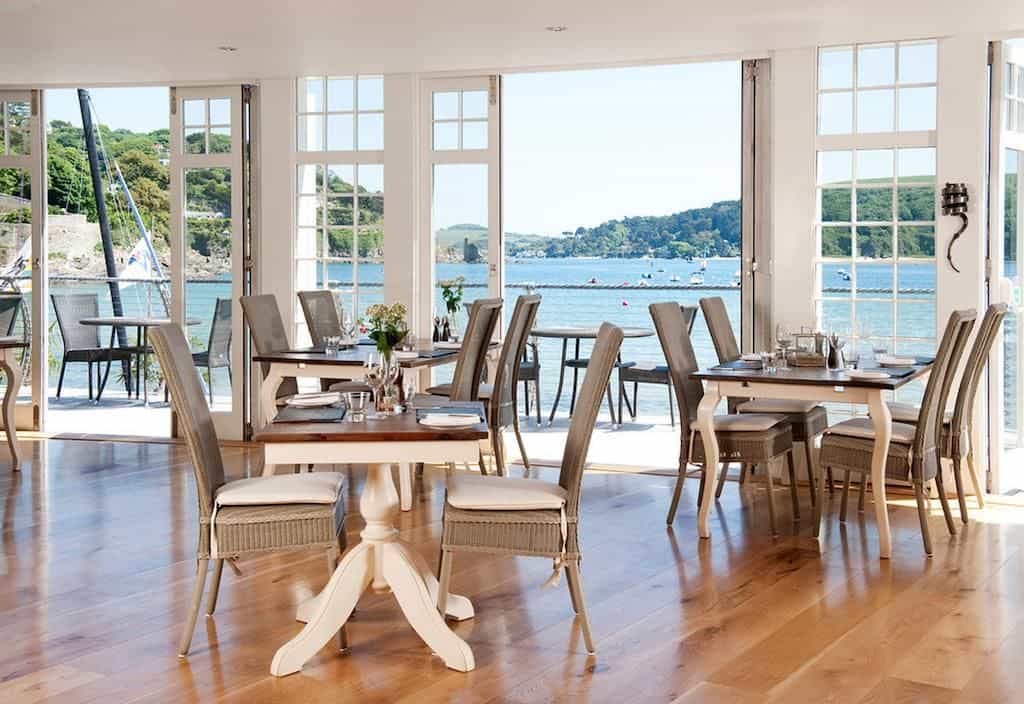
(374, 376)
(784, 339)
(409, 388)
(348, 328)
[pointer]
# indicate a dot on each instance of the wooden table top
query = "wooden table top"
(581, 332)
(812, 376)
(132, 321)
(352, 357)
(398, 428)
(8, 343)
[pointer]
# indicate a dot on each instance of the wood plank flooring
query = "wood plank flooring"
(98, 562)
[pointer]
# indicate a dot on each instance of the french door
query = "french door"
(209, 234)
(1006, 253)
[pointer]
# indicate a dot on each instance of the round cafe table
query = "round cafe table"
(142, 325)
(577, 333)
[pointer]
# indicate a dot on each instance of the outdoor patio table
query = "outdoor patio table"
(12, 369)
(141, 325)
(732, 380)
(380, 560)
(578, 333)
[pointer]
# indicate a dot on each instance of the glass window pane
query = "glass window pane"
(339, 242)
(875, 111)
(835, 113)
(918, 62)
(835, 316)
(917, 165)
(446, 136)
(835, 67)
(474, 135)
(916, 281)
(220, 111)
(371, 93)
(446, 105)
(474, 104)
(836, 242)
(873, 280)
(371, 249)
(371, 131)
(340, 97)
(874, 204)
(876, 66)
(917, 203)
(835, 204)
(874, 165)
(876, 315)
(371, 178)
(16, 239)
(834, 167)
(874, 242)
(916, 320)
(195, 140)
(371, 211)
(306, 243)
(339, 211)
(19, 119)
(310, 137)
(917, 109)
(340, 178)
(459, 223)
(916, 241)
(310, 179)
(194, 112)
(310, 94)
(339, 133)
(220, 140)
(308, 211)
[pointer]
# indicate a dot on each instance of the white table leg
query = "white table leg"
(268, 392)
(12, 370)
(881, 419)
(706, 426)
(405, 485)
(380, 561)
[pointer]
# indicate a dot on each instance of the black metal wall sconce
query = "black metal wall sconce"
(954, 202)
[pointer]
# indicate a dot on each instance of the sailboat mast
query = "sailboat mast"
(145, 235)
(101, 211)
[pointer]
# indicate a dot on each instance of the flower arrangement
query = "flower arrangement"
(387, 326)
(451, 292)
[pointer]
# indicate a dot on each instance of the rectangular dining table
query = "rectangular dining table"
(380, 560)
(740, 380)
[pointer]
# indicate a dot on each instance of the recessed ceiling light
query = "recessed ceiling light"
(556, 28)
(228, 49)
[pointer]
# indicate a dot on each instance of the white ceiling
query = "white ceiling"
(163, 41)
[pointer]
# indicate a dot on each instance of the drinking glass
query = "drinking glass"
(784, 339)
(768, 362)
(409, 342)
(409, 388)
(348, 329)
(356, 402)
(879, 348)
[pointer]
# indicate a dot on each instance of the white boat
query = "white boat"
(697, 279)
(674, 277)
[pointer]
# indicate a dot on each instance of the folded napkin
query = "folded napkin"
(450, 419)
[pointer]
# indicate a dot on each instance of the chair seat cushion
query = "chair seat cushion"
(902, 433)
(489, 493)
(908, 413)
(748, 422)
(776, 405)
(309, 488)
(486, 390)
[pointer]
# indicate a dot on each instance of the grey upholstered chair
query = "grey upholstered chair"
(268, 334)
(321, 312)
(241, 517)
(957, 425)
(913, 449)
(531, 517)
(640, 373)
(217, 354)
(82, 342)
(807, 419)
(753, 438)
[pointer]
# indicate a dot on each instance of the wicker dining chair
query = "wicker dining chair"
(807, 419)
(320, 310)
(469, 366)
(532, 517)
(914, 450)
(958, 424)
(268, 335)
(217, 354)
(751, 438)
(82, 342)
(643, 373)
(246, 516)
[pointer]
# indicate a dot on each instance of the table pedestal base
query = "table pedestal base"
(380, 561)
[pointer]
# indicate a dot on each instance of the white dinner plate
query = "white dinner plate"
(447, 345)
(892, 361)
(750, 357)
(450, 420)
(404, 355)
(866, 374)
(314, 400)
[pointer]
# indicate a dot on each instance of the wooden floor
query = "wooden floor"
(98, 561)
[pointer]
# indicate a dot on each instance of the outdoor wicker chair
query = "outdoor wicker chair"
(529, 375)
(532, 517)
(642, 373)
(914, 450)
(82, 342)
(807, 419)
(10, 304)
(268, 335)
(958, 424)
(246, 516)
(751, 438)
(217, 354)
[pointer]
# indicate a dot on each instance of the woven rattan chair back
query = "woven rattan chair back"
(268, 334)
(689, 317)
(507, 375)
(936, 392)
(674, 336)
(320, 309)
(189, 402)
(483, 318)
(588, 403)
(69, 308)
(219, 345)
(717, 318)
(988, 331)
